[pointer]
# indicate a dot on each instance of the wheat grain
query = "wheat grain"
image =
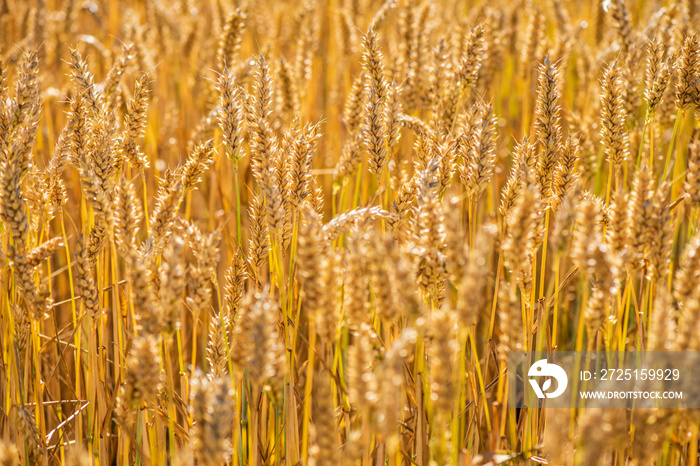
(421, 199)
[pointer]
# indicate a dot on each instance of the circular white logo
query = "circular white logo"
(542, 368)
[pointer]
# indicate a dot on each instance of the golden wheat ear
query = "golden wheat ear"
(481, 155)
(127, 215)
(85, 284)
(658, 75)
(234, 286)
(547, 124)
(84, 81)
(259, 242)
(142, 381)
(373, 129)
(230, 40)
(688, 71)
(522, 226)
(613, 115)
(315, 274)
(639, 216)
(565, 178)
(217, 356)
(325, 443)
(135, 124)
(692, 175)
(110, 86)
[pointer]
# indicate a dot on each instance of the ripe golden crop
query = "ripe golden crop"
(282, 232)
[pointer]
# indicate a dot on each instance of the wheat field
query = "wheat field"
(282, 232)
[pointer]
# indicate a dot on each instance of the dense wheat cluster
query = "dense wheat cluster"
(285, 232)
